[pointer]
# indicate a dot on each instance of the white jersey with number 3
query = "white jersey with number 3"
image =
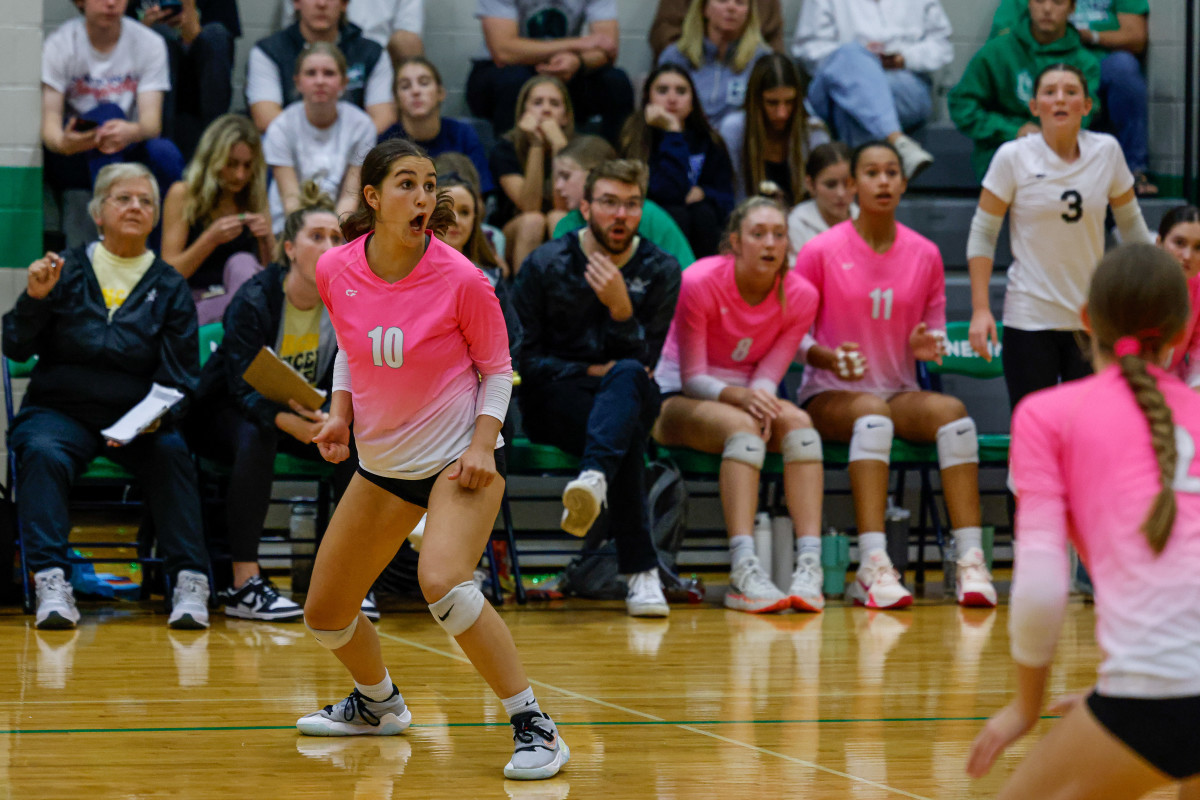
(1056, 224)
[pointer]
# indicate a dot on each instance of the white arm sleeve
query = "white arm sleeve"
(985, 232)
(1131, 224)
(1037, 604)
(494, 395)
(704, 387)
(341, 373)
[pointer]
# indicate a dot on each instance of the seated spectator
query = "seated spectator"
(721, 40)
(232, 423)
(216, 223)
(571, 169)
(273, 59)
(595, 307)
(668, 24)
(1179, 235)
(522, 163)
(457, 163)
(1116, 32)
(992, 102)
(419, 97)
(466, 234)
(830, 188)
(575, 42)
(320, 138)
(690, 173)
(740, 318)
(98, 353)
(103, 81)
(872, 68)
(394, 24)
(770, 140)
(199, 36)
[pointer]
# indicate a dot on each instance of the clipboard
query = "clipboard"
(279, 382)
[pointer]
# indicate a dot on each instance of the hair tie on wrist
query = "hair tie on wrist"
(1127, 346)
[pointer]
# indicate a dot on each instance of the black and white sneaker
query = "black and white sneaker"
(258, 599)
(369, 608)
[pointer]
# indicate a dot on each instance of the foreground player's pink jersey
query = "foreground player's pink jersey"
(1185, 358)
(715, 332)
(415, 350)
(875, 300)
(1084, 470)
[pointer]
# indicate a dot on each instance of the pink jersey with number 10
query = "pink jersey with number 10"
(415, 350)
(875, 300)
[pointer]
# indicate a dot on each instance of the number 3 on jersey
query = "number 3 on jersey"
(387, 347)
(881, 299)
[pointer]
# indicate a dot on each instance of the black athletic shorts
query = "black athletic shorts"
(417, 491)
(1164, 732)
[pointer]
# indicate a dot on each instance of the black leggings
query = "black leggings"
(1039, 359)
(702, 224)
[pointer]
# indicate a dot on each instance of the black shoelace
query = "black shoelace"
(525, 727)
(356, 704)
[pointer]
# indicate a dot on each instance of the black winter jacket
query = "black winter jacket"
(284, 47)
(566, 326)
(254, 319)
(94, 369)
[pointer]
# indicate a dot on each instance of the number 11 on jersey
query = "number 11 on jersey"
(387, 346)
(881, 298)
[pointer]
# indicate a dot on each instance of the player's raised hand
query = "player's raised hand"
(43, 275)
(927, 345)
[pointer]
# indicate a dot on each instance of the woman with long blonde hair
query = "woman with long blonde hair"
(216, 226)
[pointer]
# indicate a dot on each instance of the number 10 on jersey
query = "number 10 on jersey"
(387, 347)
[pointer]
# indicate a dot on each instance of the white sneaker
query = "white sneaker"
(808, 582)
(914, 159)
(646, 598)
(750, 589)
(55, 600)
(877, 584)
(582, 500)
(974, 585)
(418, 534)
(189, 604)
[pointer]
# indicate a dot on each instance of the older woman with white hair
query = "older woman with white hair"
(106, 321)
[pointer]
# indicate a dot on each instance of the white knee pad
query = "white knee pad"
(872, 439)
(957, 443)
(334, 640)
(458, 610)
(803, 444)
(746, 448)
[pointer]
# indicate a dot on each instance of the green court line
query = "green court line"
(603, 723)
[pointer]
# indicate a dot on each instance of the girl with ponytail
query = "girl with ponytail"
(1108, 463)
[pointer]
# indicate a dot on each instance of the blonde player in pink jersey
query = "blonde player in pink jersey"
(424, 373)
(883, 308)
(1108, 463)
(1179, 235)
(738, 322)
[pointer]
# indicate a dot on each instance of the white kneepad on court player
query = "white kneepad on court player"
(458, 610)
(747, 448)
(872, 438)
(957, 443)
(803, 444)
(334, 640)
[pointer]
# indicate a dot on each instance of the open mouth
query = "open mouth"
(417, 224)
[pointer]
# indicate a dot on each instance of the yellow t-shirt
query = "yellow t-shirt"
(117, 276)
(301, 339)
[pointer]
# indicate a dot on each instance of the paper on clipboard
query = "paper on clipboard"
(278, 381)
(158, 401)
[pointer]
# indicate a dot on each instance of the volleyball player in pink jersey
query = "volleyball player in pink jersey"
(1179, 235)
(1108, 463)
(424, 374)
(738, 322)
(883, 308)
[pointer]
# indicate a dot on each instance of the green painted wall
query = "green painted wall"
(20, 216)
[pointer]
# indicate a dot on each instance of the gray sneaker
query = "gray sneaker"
(55, 600)
(538, 751)
(358, 716)
(914, 159)
(189, 603)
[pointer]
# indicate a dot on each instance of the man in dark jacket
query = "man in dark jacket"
(106, 322)
(595, 306)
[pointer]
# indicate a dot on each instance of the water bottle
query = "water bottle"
(783, 552)
(949, 568)
(896, 528)
(762, 539)
(835, 560)
(302, 532)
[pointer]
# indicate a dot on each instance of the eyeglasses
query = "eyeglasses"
(612, 205)
(127, 200)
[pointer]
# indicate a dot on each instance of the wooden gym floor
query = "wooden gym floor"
(708, 704)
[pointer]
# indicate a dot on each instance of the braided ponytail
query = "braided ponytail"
(1137, 303)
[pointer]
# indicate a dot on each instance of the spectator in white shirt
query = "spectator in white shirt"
(394, 24)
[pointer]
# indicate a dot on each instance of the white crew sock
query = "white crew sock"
(378, 692)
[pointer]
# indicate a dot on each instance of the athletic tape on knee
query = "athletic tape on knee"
(802, 445)
(334, 640)
(872, 439)
(957, 443)
(746, 448)
(458, 610)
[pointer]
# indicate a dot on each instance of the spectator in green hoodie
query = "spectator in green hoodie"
(1115, 31)
(991, 101)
